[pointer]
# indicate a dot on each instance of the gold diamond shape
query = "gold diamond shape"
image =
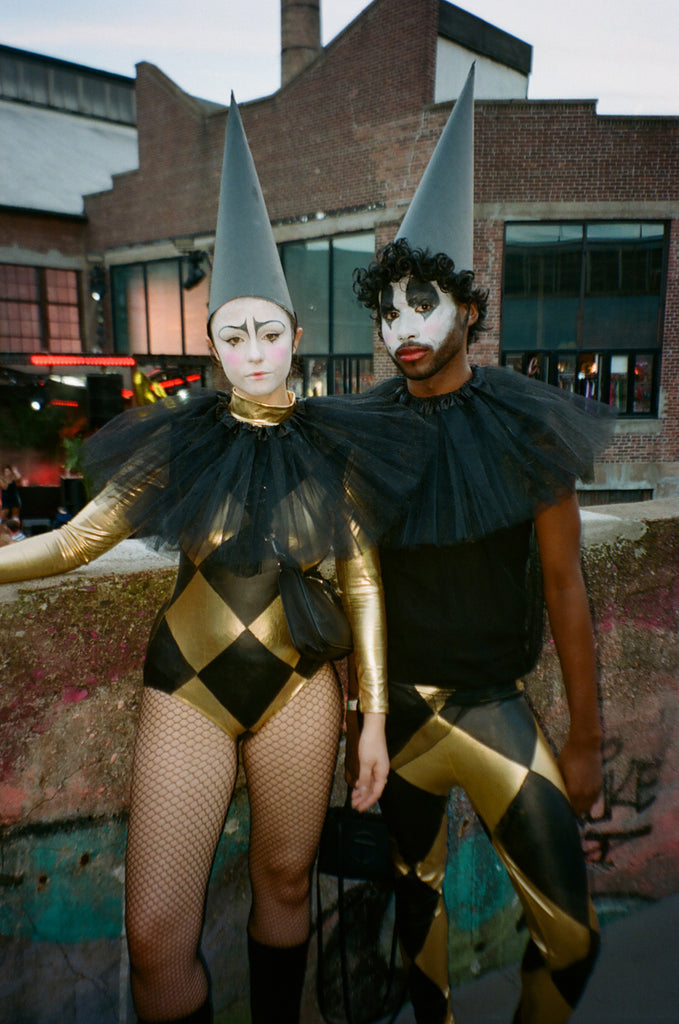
(201, 623)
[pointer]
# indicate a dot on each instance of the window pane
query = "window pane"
(543, 322)
(589, 365)
(351, 374)
(542, 234)
(63, 328)
(129, 310)
(620, 321)
(315, 377)
(18, 282)
(195, 318)
(64, 90)
(643, 384)
(164, 308)
(352, 326)
(35, 82)
(307, 267)
(541, 286)
(20, 327)
(617, 396)
(62, 286)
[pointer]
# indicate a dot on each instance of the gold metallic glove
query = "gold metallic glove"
(94, 530)
(360, 584)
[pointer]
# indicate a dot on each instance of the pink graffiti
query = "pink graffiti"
(74, 694)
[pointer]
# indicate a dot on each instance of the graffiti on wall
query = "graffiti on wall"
(630, 788)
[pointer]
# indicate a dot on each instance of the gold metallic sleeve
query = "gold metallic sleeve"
(94, 530)
(360, 584)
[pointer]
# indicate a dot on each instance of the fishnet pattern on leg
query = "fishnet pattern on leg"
(289, 765)
(182, 780)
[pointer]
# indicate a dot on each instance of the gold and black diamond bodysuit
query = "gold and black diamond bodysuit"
(222, 644)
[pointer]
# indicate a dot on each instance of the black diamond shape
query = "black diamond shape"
(187, 571)
(245, 678)
(247, 596)
(408, 712)
(416, 907)
(539, 832)
(165, 667)
(413, 817)
(512, 733)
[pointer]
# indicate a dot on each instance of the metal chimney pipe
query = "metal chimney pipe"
(300, 36)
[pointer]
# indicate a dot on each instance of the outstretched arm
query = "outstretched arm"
(94, 530)
(360, 584)
(558, 534)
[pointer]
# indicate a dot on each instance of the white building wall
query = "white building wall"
(493, 81)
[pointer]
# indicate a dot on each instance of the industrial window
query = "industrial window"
(39, 310)
(336, 352)
(160, 308)
(44, 81)
(582, 308)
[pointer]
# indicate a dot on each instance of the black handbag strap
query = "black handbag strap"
(341, 925)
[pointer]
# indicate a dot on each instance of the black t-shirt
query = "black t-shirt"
(456, 615)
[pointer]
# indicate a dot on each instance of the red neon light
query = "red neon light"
(126, 394)
(61, 401)
(47, 360)
(178, 381)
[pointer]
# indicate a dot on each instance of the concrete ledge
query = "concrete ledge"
(71, 654)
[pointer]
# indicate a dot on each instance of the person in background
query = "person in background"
(11, 500)
(14, 527)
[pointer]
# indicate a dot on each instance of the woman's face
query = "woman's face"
(254, 341)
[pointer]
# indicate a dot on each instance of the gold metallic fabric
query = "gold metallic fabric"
(360, 586)
(96, 529)
(248, 410)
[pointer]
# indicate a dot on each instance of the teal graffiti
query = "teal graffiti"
(64, 883)
(476, 886)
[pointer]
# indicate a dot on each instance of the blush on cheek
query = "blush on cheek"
(438, 326)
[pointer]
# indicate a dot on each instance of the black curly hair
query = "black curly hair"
(397, 260)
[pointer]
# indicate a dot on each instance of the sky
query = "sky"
(622, 53)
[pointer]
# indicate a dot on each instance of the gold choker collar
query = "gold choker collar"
(249, 410)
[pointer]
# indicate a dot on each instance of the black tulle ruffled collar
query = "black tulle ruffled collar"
(435, 403)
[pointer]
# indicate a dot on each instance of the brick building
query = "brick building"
(576, 221)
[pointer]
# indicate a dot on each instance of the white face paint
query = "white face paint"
(254, 342)
(416, 314)
(423, 327)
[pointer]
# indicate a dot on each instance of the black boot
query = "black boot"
(203, 1015)
(276, 982)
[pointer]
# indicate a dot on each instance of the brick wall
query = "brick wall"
(40, 233)
(355, 131)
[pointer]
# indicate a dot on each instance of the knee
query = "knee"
(283, 878)
(157, 941)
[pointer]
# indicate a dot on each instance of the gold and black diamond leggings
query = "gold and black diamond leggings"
(497, 753)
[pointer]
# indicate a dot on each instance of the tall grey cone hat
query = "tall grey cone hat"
(246, 260)
(440, 217)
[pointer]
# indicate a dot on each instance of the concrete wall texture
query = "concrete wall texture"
(71, 651)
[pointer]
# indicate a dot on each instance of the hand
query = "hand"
(580, 765)
(373, 760)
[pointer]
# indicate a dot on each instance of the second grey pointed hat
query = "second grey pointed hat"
(440, 217)
(246, 260)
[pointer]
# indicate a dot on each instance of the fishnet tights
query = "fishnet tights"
(183, 778)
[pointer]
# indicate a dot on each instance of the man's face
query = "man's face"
(422, 327)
